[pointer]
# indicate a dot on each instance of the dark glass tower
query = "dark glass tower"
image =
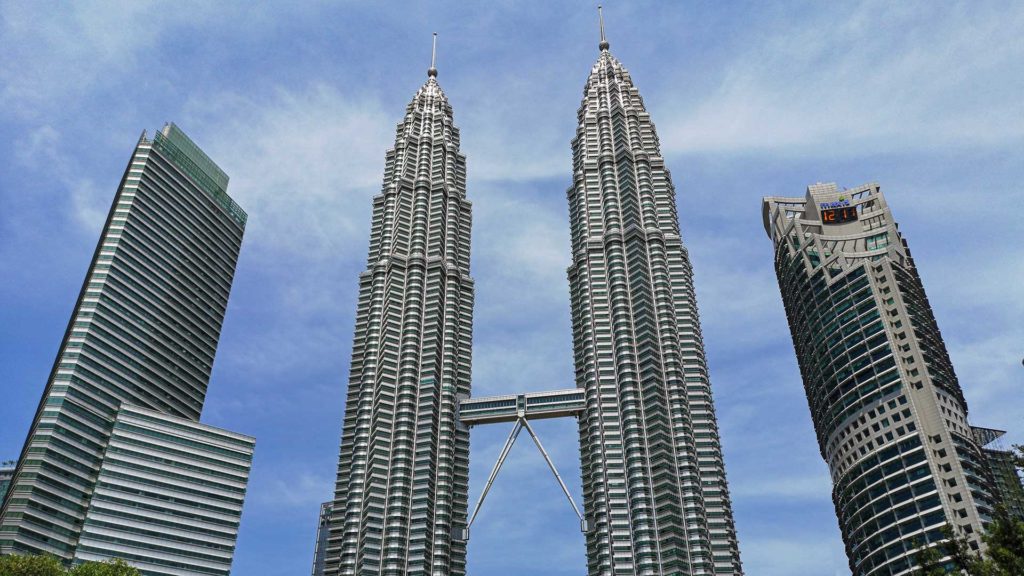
(654, 484)
(6, 473)
(403, 471)
(143, 333)
(323, 528)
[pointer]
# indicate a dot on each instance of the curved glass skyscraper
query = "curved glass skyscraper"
(887, 407)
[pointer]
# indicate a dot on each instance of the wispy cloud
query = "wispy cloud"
(77, 51)
(866, 78)
(83, 200)
(293, 488)
(305, 162)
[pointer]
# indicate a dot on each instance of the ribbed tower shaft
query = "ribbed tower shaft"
(403, 471)
(653, 478)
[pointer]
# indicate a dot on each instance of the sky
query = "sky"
(298, 102)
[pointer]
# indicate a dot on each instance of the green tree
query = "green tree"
(115, 567)
(1018, 455)
(1004, 554)
(18, 565)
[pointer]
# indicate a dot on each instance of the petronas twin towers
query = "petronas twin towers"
(655, 495)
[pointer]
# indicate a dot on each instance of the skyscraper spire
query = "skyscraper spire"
(604, 41)
(432, 71)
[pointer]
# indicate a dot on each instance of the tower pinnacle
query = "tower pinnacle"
(432, 71)
(604, 42)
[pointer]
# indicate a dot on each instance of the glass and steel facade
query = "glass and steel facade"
(323, 528)
(887, 408)
(654, 487)
(656, 500)
(6, 473)
(143, 332)
(1006, 476)
(403, 470)
(169, 495)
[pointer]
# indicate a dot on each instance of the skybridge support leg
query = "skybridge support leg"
(521, 423)
(494, 473)
(536, 440)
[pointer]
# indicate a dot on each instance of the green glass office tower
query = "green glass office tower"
(323, 529)
(6, 473)
(887, 408)
(143, 332)
(654, 485)
(1002, 461)
(402, 482)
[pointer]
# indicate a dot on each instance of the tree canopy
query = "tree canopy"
(19, 565)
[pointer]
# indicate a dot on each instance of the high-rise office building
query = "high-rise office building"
(6, 473)
(142, 337)
(323, 528)
(169, 495)
(887, 408)
(1005, 474)
(654, 485)
(403, 469)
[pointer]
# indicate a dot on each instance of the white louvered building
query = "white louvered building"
(169, 495)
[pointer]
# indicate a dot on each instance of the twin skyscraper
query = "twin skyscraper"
(654, 489)
(890, 415)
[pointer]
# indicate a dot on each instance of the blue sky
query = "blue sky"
(298, 103)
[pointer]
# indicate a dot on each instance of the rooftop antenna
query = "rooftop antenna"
(604, 42)
(432, 71)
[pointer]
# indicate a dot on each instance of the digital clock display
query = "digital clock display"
(839, 215)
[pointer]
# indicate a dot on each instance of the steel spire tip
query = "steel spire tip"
(432, 71)
(604, 41)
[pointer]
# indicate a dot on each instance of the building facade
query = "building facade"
(323, 528)
(1005, 474)
(654, 486)
(6, 473)
(143, 333)
(888, 410)
(169, 495)
(403, 471)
